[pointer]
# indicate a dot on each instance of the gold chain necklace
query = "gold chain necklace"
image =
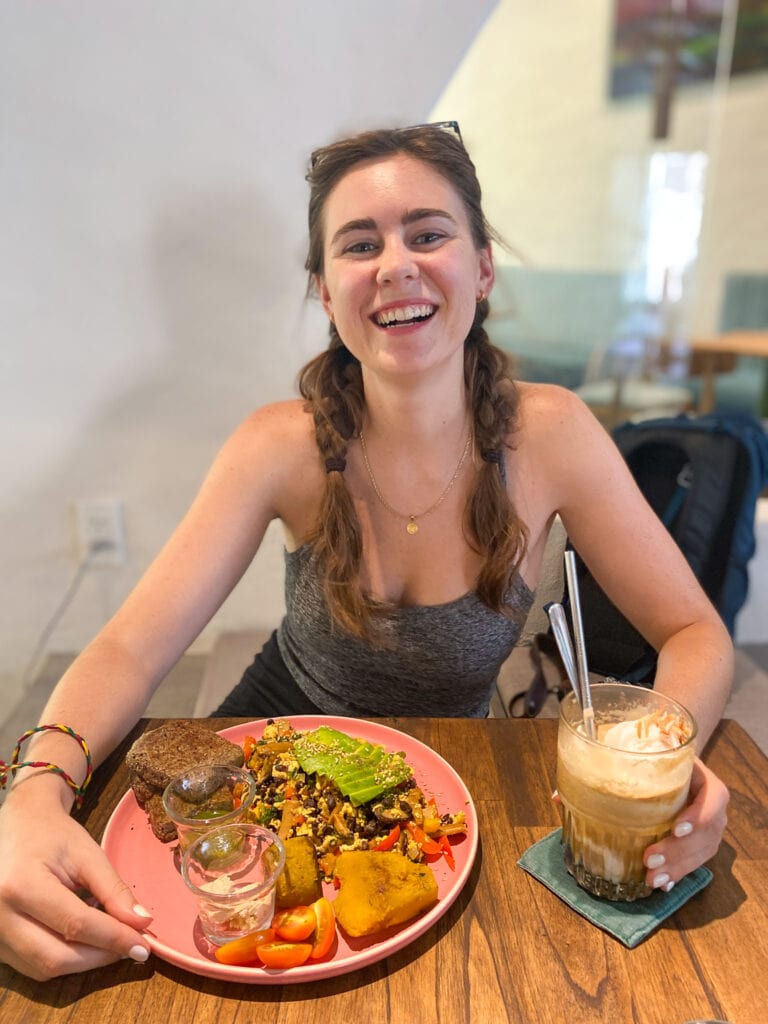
(411, 525)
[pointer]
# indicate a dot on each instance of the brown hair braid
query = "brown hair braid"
(332, 385)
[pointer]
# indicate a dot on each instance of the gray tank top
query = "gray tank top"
(443, 660)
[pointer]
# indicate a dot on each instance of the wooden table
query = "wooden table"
(715, 355)
(508, 949)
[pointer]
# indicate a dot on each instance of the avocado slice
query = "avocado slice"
(360, 769)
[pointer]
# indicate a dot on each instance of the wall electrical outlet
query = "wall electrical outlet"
(101, 531)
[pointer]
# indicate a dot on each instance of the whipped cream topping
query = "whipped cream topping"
(650, 734)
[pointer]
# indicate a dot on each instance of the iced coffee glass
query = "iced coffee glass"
(621, 791)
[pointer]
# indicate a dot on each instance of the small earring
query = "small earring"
(480, 296)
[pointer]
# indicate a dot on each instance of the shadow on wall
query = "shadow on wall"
(231, 311)
(229, 283)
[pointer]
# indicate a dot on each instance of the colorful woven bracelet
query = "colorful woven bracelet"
(7, 768)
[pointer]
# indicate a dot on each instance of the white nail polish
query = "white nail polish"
(139, 954)
(655, 860)
(669, 887)
(141, 911)
(683, 828)
(661, 880)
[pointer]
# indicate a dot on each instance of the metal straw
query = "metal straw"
(562, 636)
(587, 713)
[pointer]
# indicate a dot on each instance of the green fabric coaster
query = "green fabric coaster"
(630, 923)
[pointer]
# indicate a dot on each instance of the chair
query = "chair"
(625, 380)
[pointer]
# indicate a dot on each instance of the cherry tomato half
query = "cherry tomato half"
(282, 955)
(240, 952)
(295, 924)
(325, 927)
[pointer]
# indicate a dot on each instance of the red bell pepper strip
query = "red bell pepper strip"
(389, 840)
(428, 846)
(249, 745)
(445, 846)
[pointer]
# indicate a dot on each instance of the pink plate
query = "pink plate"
(149, 867)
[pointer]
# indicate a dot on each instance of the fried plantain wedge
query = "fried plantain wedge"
(380, 889)
(299, 884)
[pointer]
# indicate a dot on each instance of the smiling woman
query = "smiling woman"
(400, 257)
(410, 416)
(400, 283)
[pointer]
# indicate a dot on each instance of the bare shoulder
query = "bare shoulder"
(273, 457)
(544, 408)
(279, 432)
(288, 415)
(554, 423)
(562, 453)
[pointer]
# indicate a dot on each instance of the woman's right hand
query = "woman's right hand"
(46, 858)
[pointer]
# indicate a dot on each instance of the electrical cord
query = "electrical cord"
(28, 674)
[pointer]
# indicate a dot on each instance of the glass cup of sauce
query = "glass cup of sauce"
(233, 871)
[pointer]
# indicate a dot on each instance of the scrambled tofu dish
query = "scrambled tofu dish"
(345, 794)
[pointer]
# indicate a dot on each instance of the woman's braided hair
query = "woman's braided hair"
(332, 385)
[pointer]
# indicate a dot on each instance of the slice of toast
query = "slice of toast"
(160, 823)
(142, 791)
(162, 754)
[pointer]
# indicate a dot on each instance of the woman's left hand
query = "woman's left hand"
(696, 835)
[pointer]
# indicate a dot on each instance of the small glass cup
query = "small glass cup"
(616, 802)
(233, 871)
(207, 796)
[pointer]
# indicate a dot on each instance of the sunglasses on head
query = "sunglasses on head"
(445, 126)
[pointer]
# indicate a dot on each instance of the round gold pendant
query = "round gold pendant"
(412, 527)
